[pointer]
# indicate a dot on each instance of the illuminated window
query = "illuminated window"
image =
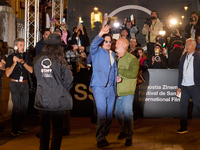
(96, 16)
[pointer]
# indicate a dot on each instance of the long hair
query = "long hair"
(58, 53)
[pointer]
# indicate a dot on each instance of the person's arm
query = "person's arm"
(132, 71)
(188, 28)
(98, 39)
(67, 77)
(2, 64)
(145, 29)
(28, 68)
(9, 70)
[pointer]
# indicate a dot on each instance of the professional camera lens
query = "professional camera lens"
(148, 21)
(157, 58)
(193, 19)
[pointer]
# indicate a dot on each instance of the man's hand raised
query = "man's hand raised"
(104, 30)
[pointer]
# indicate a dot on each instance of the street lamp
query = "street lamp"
(186, 8)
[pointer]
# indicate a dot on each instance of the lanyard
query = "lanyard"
(188, 62)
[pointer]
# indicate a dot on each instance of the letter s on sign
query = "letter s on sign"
(80, 91)
(90, 95)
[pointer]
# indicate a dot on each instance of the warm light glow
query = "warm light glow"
(116, 24)
(173, 21)
(80, 20)
(96, 16)
(95, 9)
(180, 23)
(162, 33)
(182, 17)
(186, 8)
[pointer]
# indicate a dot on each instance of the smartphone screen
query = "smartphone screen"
(52, 19)
(131, 17)
(156, 51)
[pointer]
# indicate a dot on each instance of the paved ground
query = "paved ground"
(149, 134)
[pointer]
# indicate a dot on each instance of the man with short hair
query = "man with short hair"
(128, 67)
(103, 82)
(133, 44)
(39, 46)
(188, 82)
(151, 30)
(124, 33)
(18, 65)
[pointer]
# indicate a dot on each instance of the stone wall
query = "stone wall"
(7, 25)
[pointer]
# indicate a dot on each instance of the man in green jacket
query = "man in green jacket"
(128, 67)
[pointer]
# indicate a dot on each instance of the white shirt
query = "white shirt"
(111, 57)
(188, 71)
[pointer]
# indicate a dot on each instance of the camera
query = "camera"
(193, 19)
(130, 18)
(157, 57)
(18, 55)
(148, 21)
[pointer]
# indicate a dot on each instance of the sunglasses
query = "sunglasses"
(108, 42)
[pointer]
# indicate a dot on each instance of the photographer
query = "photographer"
(171, 24)
(18, 66)
(175, 47)
(157, 60)
(192, 29)
(129, 23)
(151, 29)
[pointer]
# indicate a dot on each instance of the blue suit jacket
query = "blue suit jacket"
(196, 66)
(101, 63)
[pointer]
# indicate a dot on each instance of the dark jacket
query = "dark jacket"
(174, 58)
(83, 38)
(38, 47)
(158, 65)
(196, 27)
(196, 68)
(53, 84)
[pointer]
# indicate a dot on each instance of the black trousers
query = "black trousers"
(46, 117)
(188, 92)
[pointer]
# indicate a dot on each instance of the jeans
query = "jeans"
(20, 98)
(188, 92)
(124, 114)
(105, 99)
(57, 125)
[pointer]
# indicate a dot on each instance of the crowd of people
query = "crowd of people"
(117, 67)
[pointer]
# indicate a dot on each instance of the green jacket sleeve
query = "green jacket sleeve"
(132, 71)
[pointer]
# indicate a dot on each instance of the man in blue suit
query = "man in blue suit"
(103, 82)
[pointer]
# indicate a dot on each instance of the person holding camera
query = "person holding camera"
(157, 60)
(129, 23)
(192, 29)
(18, 65)
(151, 29)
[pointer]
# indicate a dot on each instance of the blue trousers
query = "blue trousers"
(188, 92)
(124, 114)
(105, 99)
